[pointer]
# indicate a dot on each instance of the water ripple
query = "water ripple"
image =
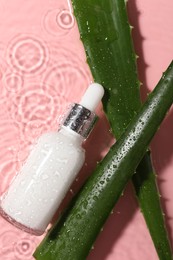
(16, 245)
(27, 54)
(9, 145)
(58, 22)
(13, 82)
(7, 241)
(8, 170)
(1, 74)
(3, 68)
(36, 109)
(67, 74)
(24, 248)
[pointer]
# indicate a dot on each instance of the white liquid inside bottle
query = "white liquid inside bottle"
(38, 189)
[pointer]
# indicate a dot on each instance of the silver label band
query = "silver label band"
(80, 119)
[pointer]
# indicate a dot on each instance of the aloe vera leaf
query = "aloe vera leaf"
(106, 35)
(73, 236)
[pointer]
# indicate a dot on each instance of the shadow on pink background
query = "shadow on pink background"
(42, 70)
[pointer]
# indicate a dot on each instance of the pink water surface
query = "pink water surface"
(42, 70)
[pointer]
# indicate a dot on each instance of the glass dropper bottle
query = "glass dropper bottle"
(37, 190)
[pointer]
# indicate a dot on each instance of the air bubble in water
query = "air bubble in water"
(58, 22)
(24, 248)
(65, 19)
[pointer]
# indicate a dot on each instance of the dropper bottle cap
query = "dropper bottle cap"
(81, 117)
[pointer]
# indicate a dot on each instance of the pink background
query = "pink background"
(42, 70)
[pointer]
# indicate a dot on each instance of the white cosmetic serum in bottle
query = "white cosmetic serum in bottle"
(37, 190)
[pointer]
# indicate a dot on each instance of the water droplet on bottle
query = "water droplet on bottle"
(18, 213)
(22, 183)
(57, 174)
(28, 203)
(62, 160)
(45, 177)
